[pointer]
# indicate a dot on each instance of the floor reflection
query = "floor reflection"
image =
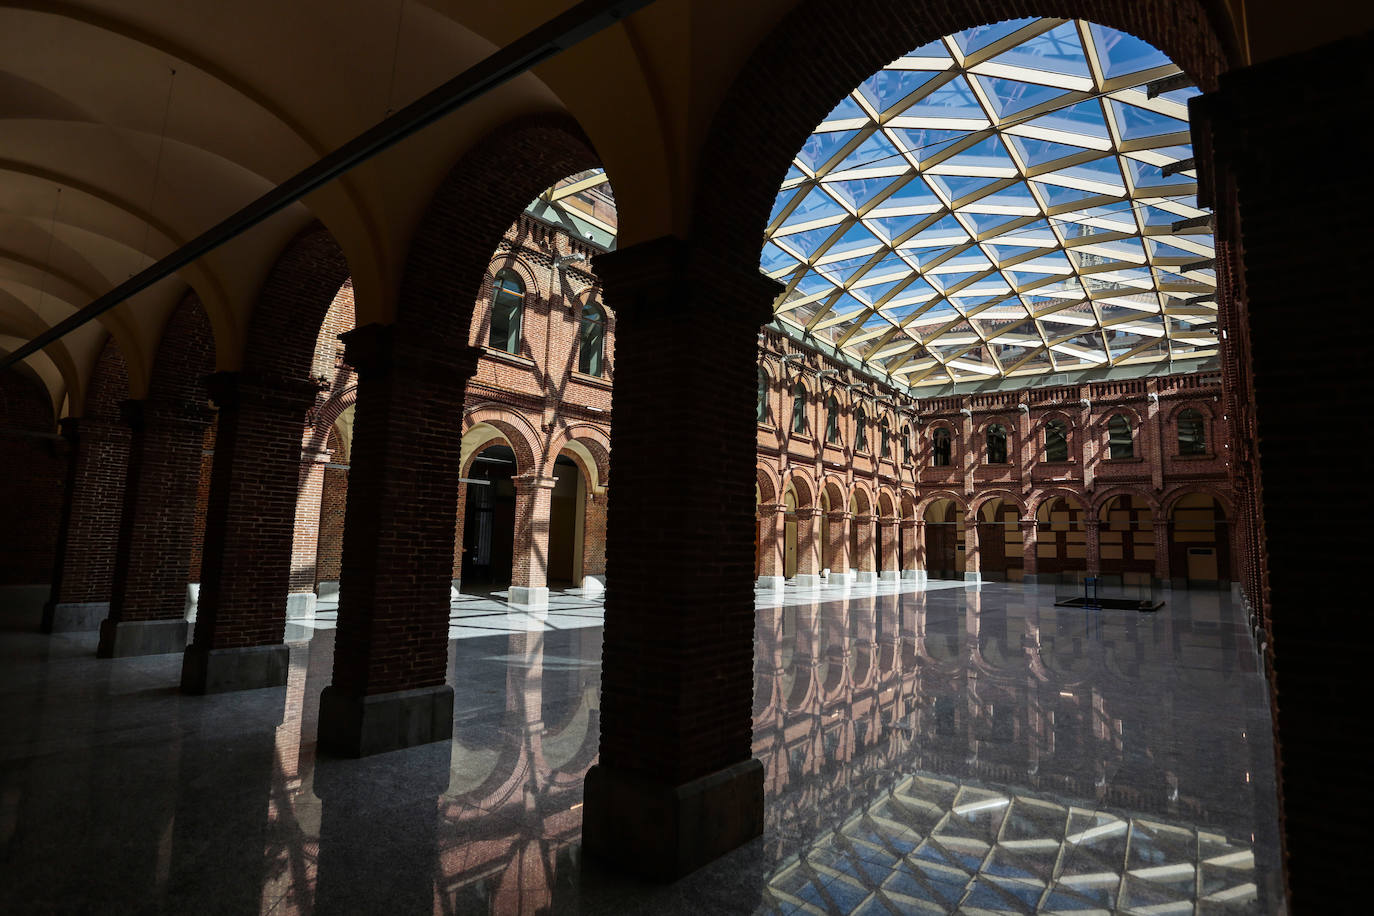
(950, 749)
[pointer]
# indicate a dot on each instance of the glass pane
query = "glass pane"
(1056, 441)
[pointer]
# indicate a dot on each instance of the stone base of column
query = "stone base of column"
(300, 604)
(528, 597)
(239, 668)
(807, 580)
(889, 575)
(914, 575)
(865, 577)
(639, 825)
(329, 591)
(74, 617)
(771, 582)
(973, 578)
(141, 637)
(359, 726)
(839, 579)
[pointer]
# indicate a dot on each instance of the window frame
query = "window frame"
(583, 323)
(1062, 428)
(987, 444)
(936, 451)
(1198, 417)
(515, 331)
(1113, 443)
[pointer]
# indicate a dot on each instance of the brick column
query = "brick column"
(772, 532)
(84, 565)
(910, 536)
(1092, 536)
(973, 558)
(249, 532)
(918, 550)
(305, 537)
(840, 573)
(529, 569)
(1163, 540)
(808, 548)
(891, 553)
(864, 564)
(390, 649)
(156, 526)
(676, 784)
(1030, 556)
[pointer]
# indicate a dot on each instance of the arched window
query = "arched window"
(1056, 441)
(997, 444)
(906, 445)
(860, 431)
(940, 448)
(885, 439)
(832, 420)
(1192, 433)
(507, 308)
(1119, 440)
(762, 410)
(799, 408)
(591, 340)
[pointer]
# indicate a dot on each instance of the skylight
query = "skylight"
(1007, 201)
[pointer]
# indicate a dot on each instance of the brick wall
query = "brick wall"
(333, 501)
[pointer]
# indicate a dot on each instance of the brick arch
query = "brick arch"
(185, 356)
(862, 498)
(323, 417)
(1104, 499)
(1111, 410)
(983, 498)
(908, 504)
(1045, 496)
(768, 486)
(284, 328)
(514, 427)
(834, 487)
(1206, 407)
(822, 50)
(446, 268)
(1043, 420)
(1171, 500)
(935, 496)
(594, 441)
(108, 385)
(481, 312)
(805, 487)
(887, 505)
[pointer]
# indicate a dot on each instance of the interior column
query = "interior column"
(676, 784)
(973, 557)
(391, 646)
(911, 568)
(305, 539)
(157, 523)
(529, 584)
(249, 529)
(772, 531)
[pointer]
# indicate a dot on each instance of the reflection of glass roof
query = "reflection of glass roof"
(1007, 201)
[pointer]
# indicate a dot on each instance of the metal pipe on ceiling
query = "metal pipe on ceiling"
(545, 41)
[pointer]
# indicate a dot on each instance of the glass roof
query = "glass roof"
(1007, 201)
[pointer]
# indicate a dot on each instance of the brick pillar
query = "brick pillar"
(973, 558)
(84, 564)
(676, 784)
(891, 552)
(1163, 540)
(864, 563)
(250, 526)
(156, 526)
(772, 529)
(530, 565)
(840, 573)
(910, 563)
(918, 549)
(1030, 556)
(1092, 535)
(390, 649)
(808, 548)
(305, 537)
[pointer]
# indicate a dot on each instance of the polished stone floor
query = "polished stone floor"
(934, 748)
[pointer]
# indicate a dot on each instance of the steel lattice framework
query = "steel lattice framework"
(1015, 199)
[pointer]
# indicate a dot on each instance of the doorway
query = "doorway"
(566, 511)
(489, 525)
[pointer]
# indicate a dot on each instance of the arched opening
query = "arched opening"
(507, 311)
(567, 513)
(1000, 553)
(591, 340)
(944, 530)
(1199, 543)
(489, 520)
(1126, 540)
(1061, 540)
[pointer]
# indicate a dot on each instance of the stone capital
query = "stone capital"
(231, 390)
